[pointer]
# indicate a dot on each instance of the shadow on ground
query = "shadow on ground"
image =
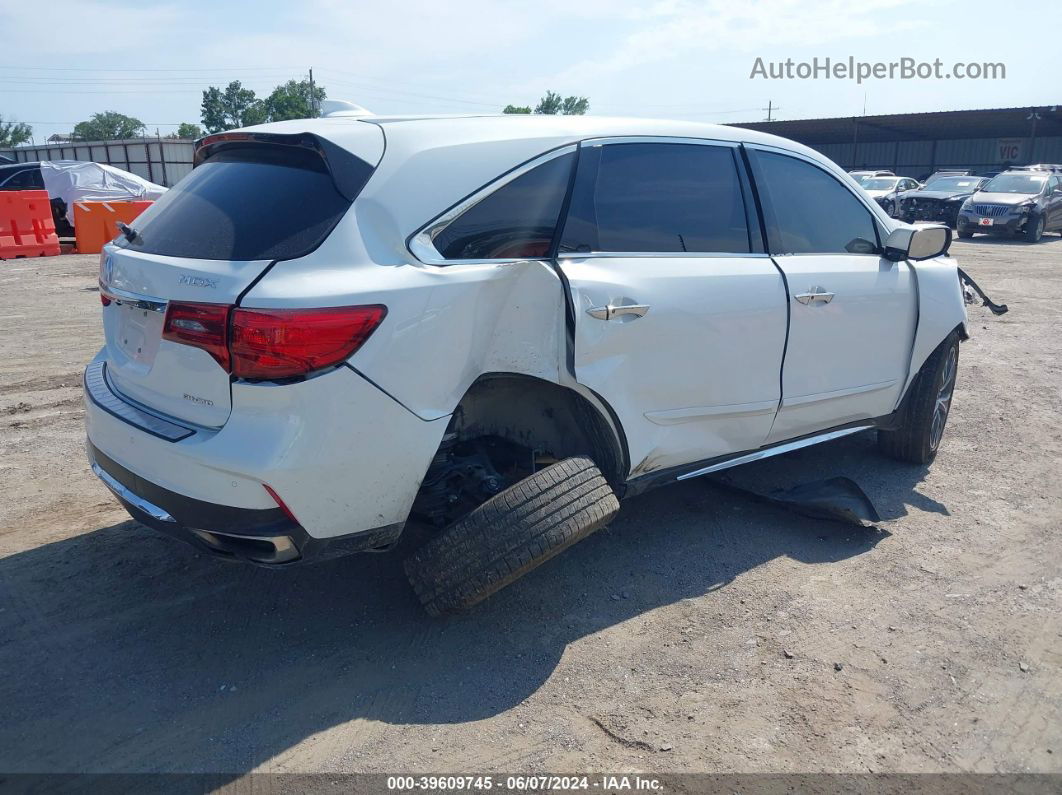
(124, 650)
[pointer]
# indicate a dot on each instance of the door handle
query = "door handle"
(814, 296)
(610, 311)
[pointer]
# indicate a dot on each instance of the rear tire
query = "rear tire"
(510, 534)
(918, 438)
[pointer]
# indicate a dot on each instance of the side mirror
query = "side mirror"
(917, 242)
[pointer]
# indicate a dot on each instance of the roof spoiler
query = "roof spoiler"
(338, 108)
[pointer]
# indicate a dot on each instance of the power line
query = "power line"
(158, 69)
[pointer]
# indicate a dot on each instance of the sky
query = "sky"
(682, 59)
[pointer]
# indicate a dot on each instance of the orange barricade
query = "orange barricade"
(95, 222)
(26, 225)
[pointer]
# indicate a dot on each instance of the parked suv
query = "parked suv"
(498, 326)
(1027, 202)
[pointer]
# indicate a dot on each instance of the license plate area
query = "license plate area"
(138, 333)
(986, 222)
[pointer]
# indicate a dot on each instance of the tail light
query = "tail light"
(200, 325)
(272, 343)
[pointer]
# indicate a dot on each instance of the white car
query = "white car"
(887, 191)
(498, 326)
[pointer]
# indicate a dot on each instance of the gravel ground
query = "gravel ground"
(703, 631)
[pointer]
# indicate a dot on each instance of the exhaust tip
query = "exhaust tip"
(269, 550)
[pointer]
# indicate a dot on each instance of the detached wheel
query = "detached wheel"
(917, 440)
(510, 534)
(1034, 231)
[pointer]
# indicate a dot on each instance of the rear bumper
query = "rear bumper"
(345, 458)
(260, 536)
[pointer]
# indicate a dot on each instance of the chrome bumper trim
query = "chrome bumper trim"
(152, 510)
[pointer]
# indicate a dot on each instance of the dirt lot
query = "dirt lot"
(703, 631)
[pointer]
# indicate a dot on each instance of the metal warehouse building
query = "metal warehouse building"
(917, 144)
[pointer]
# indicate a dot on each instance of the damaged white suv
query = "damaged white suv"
(498, 326)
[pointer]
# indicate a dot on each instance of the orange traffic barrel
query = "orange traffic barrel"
(26, 225)
(95, 223)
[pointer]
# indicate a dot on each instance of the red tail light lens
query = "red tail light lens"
(202, 325)
(281, 343)
(272, 343)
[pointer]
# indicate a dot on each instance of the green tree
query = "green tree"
(13, 133)
(236, 106)
(550, 104)
(293, 100)
(575, 106)
(107, 126)
(188, 130)
(553, 104)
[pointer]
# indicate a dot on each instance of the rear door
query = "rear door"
(680, 317)
(1054, 203)
(852, 312)
(249, 203)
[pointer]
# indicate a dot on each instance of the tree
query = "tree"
(553, 104)
(187, 130)
(107, 126)
(13, 133)
(236, 106)
(293, 100)
(550, 104)
(575, 106)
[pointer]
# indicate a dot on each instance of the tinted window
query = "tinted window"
(247, 203)
(27, 179)
(519, 219)
(813, 212)
(657, 198)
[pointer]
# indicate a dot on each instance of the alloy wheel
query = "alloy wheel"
(944, 394)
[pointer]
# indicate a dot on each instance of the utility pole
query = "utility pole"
(313, 97)
(771, 107)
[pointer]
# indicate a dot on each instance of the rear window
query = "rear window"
(255, 202)
(518, 220)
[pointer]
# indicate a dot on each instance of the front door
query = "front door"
(852, 312)
(680, 317)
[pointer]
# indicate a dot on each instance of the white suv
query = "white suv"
(498, 326)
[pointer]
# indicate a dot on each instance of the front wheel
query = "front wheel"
(964, 233)
(917, 439)
(510, 534)
(1034, 229)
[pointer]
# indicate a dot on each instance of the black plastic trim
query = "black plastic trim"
(101, 395)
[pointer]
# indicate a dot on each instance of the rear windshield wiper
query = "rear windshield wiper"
(128, 232)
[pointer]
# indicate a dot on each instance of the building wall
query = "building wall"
(163, 161)
(921, 158)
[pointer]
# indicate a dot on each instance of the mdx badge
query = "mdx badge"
(197, 281)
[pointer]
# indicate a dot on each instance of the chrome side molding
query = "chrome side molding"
(767, 452)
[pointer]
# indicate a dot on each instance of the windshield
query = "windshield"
(879, 183)
(953, 183)
(1016, 183)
